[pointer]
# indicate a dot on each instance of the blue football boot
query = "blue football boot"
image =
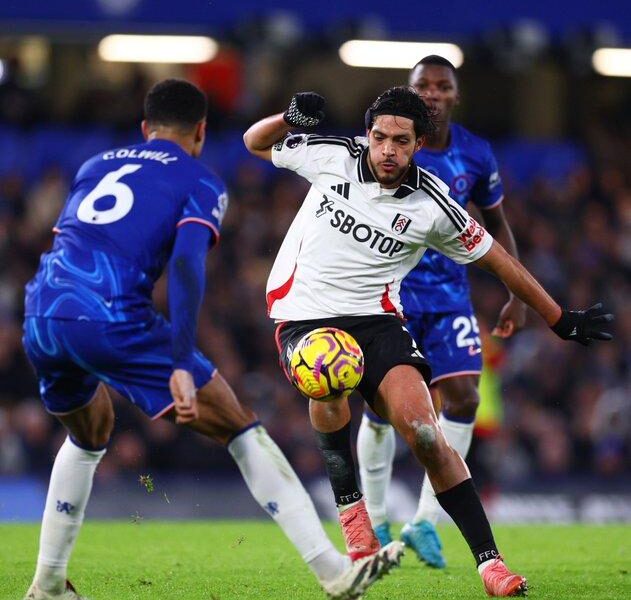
(383, 533)
(423, 539)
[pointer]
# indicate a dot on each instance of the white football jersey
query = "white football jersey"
(352, 242)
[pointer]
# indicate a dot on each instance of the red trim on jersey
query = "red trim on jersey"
(386, 303)
(280, 292)
(201, 222)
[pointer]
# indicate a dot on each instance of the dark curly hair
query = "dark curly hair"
(403, 101)
(175, 102)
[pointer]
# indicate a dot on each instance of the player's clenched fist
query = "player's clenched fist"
(184, 394)
(305, 110)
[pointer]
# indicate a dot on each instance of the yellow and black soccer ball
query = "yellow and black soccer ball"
(327, 364)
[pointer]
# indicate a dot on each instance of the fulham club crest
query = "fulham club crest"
(400, 223)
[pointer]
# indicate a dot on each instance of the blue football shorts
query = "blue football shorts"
(135, 358)
(450, 341)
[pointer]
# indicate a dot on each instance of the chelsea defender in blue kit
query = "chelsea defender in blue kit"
(90, 324)
(437, 305)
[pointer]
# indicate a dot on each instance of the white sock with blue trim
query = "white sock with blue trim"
(68, 493)
(276, 487)
(459, 436)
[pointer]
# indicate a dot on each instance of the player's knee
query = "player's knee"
(423, 438)
(91, 427)
(329, 416)
(428, 444)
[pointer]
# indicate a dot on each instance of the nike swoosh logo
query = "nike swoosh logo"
(473, 351)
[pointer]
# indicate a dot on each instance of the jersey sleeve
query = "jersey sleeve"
(304, 154)
(64, 214)
(206, 205)
(454, 232)
(186, 291)
(488, 191)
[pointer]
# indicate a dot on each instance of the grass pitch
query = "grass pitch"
(251, 559)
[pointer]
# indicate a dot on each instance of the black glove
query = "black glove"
(305, 110)
(583, 326)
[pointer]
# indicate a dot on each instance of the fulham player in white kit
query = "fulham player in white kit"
(366, 221)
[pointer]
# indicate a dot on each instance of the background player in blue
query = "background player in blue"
(90, 324)
(437, 304)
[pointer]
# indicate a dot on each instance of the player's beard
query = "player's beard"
(387, 179)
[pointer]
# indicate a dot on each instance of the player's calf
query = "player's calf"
(460, 397)
(221, 415)
(91, 426)
(331, 421)
(425, 438)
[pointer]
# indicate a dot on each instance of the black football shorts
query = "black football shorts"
(383, 339)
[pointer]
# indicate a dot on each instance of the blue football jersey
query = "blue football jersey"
(116, 232)
(470, 170)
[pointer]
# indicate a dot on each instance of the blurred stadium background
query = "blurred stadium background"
(553, 439)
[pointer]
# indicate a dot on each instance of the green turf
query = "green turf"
(250, 559)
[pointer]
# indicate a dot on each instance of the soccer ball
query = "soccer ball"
(327, 364)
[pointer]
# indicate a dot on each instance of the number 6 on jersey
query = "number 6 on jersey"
(108, 186)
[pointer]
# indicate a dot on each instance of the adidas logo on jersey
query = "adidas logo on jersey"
(343, 189)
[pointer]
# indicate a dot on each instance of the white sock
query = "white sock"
(330, 564)
(459, 436)
(485, 564)
(342, 508)
(276, 487)
(68, 494)
(375, 453)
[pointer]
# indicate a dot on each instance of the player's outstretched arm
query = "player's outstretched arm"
(579, 326)
(186, 290)
(512, 317)
(305, 110)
